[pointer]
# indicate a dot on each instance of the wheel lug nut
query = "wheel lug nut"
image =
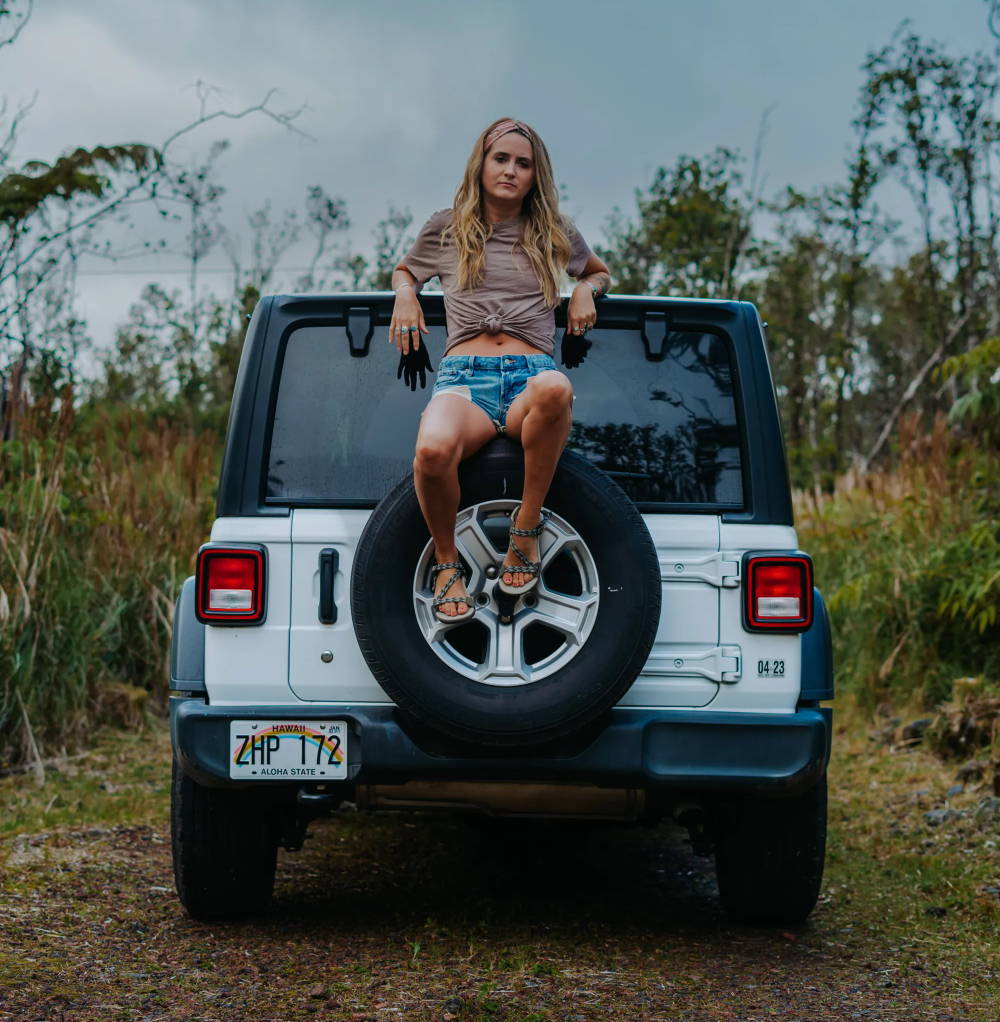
(491, 571)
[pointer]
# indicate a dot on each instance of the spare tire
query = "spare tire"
(572, 647)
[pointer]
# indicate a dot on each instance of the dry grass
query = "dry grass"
(100, 523)
(909, 562)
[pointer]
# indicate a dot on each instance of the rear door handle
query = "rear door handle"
(328, 561)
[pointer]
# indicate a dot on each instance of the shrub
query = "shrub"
(99, 524)
(909, 561)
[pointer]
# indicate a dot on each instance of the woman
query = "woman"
(499, 253)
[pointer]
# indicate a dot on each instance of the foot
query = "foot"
(529, 547)
(457, 588)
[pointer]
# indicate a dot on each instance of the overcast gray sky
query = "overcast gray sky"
(397, 92)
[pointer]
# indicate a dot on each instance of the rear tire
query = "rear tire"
(225, 849)
(769, 856)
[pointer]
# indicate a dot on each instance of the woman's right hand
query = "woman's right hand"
(407, 323)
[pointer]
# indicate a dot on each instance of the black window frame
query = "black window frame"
(763, 468)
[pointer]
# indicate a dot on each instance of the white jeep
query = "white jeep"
(671, 661)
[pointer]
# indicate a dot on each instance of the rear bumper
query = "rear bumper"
(657, 750)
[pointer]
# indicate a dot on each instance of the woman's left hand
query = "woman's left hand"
(581, 314)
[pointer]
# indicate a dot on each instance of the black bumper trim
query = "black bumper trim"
(683, 750)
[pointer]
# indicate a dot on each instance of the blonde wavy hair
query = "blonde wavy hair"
(544, 236)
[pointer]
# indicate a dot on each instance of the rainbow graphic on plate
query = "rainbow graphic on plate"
(287, 748)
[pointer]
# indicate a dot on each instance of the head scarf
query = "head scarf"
(502, 129)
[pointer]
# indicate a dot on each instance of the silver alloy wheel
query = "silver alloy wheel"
(567, 618)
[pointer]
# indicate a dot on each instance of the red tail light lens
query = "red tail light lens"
(230, 585)
(778, 592)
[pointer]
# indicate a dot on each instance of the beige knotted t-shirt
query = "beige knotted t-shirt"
(509, 299)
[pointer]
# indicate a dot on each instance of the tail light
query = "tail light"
(230, 585)
(777, 591)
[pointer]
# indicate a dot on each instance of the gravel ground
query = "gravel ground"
(417, 918)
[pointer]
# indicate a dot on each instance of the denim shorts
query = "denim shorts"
(489, 381)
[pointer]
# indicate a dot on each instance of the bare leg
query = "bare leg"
(540, 418)
(451, 429)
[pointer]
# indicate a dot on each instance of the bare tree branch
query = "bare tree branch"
(913, 387)
(10, 135)
(19, 22)
(993, 18)
(13, 262)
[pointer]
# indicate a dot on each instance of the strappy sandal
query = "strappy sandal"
(526, 567)
(439, 600)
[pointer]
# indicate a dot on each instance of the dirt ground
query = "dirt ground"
(442, 919)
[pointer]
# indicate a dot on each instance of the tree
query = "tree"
(177, 353)
(691, 233)
(936, 134)
(50, 216)
(391, 243)
(325, 216)
(818, 297)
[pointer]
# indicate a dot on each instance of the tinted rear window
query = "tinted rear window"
(344, 427)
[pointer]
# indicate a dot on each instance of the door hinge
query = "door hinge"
(718, 569)
(716, 663)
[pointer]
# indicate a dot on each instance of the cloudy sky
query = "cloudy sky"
(395, 93)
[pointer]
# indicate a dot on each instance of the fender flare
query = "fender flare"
(187, 644)
(817, 655)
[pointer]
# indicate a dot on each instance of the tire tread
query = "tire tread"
(224, 849)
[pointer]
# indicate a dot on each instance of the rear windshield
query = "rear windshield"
(665, 430)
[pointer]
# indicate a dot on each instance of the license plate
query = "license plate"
(281, 750)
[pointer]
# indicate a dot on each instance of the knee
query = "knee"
(435, 456)
(553, 394)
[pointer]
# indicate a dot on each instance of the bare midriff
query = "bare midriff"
(494, 344)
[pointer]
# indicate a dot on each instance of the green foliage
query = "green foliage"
(978, 371)
(909, 561)
(391, 243)
(81, 173)
(101, 518)
(161, 365)
(817, 297)
(691, 231)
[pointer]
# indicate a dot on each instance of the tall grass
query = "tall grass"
(99, 523)
(909, 561)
